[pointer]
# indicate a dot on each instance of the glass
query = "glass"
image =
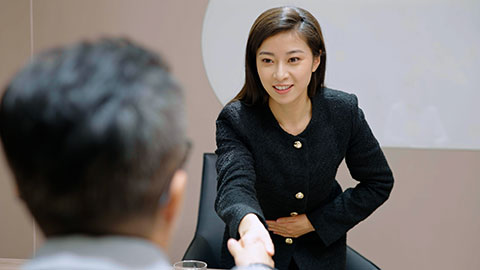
(190, 265)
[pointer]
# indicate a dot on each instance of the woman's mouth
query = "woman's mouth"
(282, 89)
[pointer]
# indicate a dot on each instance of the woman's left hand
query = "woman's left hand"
(291, 226)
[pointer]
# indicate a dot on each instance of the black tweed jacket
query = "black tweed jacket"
(264, 170)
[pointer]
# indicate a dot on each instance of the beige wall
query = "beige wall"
(16, 237)
(431, 221)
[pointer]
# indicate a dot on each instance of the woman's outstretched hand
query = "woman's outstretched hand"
(291, 226)
(251, 230)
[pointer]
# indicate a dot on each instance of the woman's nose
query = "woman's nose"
(280, 72)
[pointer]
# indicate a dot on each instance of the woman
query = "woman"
(280, 142)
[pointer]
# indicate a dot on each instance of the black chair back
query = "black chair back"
(207, 242)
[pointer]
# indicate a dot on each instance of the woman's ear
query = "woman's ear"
(316, 62)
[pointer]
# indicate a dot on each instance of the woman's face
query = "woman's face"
(285, 64)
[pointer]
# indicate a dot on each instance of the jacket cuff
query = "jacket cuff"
(238, 213)
(323, 229)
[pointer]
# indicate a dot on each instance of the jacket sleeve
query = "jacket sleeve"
(236, 195)
(367, 164)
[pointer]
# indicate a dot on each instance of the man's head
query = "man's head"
(94, 133)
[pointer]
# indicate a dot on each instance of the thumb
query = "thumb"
(269, 247)
(270, 250)
(233, 246)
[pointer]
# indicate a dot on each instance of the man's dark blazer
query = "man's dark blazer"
(266, 171)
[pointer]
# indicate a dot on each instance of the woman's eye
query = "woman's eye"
(293, 59)
(266, 60)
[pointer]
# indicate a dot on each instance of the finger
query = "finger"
(274, 226)
(283, 234)
(233, 246)
(276, 229)
(267, 242)
(284, 220)
(279, 231)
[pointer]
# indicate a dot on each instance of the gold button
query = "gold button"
(293, 214)
(297, 144)
(299, 195)
(289, 240)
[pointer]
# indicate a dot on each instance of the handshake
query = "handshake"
(255, 246)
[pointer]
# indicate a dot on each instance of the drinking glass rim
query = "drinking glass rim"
(191, 261)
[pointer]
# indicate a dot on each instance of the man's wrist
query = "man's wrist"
(262, 266)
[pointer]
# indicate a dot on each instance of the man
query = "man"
(95, 136)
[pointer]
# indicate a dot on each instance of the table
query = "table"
(14, 264)
(11, 264)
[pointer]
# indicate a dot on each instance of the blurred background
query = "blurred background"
(431, 221)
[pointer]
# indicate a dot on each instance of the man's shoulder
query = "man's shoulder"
(109, 252)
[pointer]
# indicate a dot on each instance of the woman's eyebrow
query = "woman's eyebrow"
(295, 51)
(272, 54)
(266, 53)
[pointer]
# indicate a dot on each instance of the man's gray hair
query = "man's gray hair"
(93, 133)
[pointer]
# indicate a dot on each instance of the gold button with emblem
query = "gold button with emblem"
(299, 195)
(289, 240)
(293, 214)
(297, 144)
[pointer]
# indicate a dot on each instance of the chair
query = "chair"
(207, 241)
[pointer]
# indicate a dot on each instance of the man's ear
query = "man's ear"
(169, 210)
(176, 191)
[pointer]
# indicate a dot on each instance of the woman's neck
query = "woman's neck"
(293, 117)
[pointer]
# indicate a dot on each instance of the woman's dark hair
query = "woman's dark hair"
(270, 23)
